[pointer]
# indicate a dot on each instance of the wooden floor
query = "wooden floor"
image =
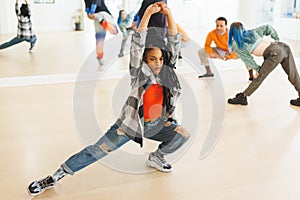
(257, 156)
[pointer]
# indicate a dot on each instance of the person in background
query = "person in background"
(218, 36)
(126, 24)
(247, 43)
(154, 91)
(103, 21)
(24, 32)
(184, 39)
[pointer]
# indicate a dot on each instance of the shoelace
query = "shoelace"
(45, 182)
(162, 159)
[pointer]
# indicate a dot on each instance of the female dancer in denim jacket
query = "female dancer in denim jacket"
(247, 42)
(126, 25)
(149, 108)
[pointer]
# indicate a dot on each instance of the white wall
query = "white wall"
(7, 17)
(256, 12)
(187, 15)
(213, 9)
(247, 10)
(282, 23)
(45, 17)
(203, 13)
(197, 13)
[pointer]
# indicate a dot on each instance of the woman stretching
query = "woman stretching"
(148, 110)
(247, 42)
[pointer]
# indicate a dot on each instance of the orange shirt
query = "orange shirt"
(221, 41)
(153, 100)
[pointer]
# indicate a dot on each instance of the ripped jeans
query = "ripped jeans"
(170, 134)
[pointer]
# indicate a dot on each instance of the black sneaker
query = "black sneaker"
(295, 102)
(37, 187)
(206, 76)
(239, 99)
(250, 78)
(157, 161)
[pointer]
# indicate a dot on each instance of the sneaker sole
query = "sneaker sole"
(242, 104)
(35, 194)
(153, 165)
(207, 77)
(295, 105)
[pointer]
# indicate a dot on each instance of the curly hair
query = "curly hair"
(154, 39)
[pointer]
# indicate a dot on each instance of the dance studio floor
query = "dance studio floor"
(44, 119)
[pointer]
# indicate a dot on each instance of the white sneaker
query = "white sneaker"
(37, 187)
(157, 161)
(100, 61)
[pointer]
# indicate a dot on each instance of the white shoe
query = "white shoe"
(37, 187)
(100, 61)
(157, 161)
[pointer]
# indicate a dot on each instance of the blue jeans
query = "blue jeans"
(124, 40)
(90, 154)
(113, 139)
(17, 40)
(166, 133)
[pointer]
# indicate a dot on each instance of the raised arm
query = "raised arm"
(139, 38)
(152, 9)
(267, 30)
(17, 8)
(174, 39)
(172, 28)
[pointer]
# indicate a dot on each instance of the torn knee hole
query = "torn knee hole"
(167, 124)
(120, 131)
(105, 148)
(182, 131)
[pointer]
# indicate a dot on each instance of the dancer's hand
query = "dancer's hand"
(164, 8)
(91, 16)
(153, 8)
(256, 74)
(212, 55)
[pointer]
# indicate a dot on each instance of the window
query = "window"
(44, 1)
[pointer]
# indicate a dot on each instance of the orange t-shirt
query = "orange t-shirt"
(221, 41)
(153, 100)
